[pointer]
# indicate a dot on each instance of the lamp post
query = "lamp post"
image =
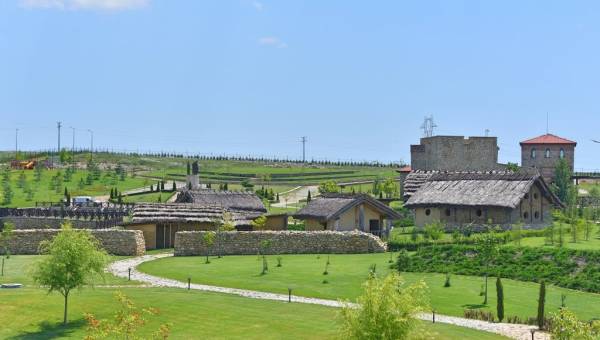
(73, 148)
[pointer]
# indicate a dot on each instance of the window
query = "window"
(427, 212)
(535, 196)
(448, 212)
(547, 153)
(527, 196)
(533, 152)
(536, 215)
(562, 153)
(526, 215)
(479, 212)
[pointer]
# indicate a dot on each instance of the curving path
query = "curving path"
(121, 269)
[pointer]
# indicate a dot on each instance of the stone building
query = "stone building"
(347, 212)
(477, 198)
(455, 153)
(543, 153)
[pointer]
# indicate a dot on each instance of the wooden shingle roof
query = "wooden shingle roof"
(494, 188)
(189, 213)
(237, 200)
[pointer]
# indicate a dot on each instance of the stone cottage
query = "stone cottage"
(345, 212)
(493, 197)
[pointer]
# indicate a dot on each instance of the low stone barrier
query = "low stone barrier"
(41, 222)
(189, 243)
(116, 242)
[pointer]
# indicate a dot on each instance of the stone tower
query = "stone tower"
(543, 153)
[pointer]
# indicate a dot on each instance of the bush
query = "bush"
(575, 269)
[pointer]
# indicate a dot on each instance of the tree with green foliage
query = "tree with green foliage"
(390, 187)
(222, 225)
(517, 233)
(514, 167)
(563, 183)
(174, 186)
(434, 231)
(22, 181)
(264, 248)
(487, 249)
(541, 305)
(564, 325)
(499, 299)
(7, 193)
(328, 187)
(6, 236)
(73, 258)
(259, 223)
(188, 169)
(386, 310)
(209, 240)
(308, 197)
(127, 323)
(37, 172)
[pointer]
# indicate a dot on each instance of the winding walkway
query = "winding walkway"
(121, 269)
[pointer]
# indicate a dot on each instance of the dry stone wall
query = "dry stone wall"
(116, 242)
(31, 222)
(189, 243)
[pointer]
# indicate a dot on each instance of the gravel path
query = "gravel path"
(121, 269)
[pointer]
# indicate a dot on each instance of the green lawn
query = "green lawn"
(304, 274)
(581, 244)
(32, 314)
(148, 198)
(44, 193)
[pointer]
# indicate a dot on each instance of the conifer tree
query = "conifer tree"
(308, 198)
(541, 304)
(500, 299)
(174, 186)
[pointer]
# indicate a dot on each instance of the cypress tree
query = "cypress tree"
(308, 198)
(541, 303)
(189, 171)
(162, 185)
(174, 186)
(225, 187)
(66, 192)
(151, 187)
(500, 299)
(120, 197)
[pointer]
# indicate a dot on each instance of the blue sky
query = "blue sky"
(252, 77)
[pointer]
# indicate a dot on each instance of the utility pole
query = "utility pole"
(303, 140)
(17, 144)
(91, 144)
(58, 125)
(428, 126)
(73, 148)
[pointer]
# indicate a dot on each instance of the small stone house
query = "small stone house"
(345, 212)
(544, 152)
(476, 198)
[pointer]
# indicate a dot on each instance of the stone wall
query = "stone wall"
(455, 153)
(189, 243)
(31, 222)
(546, 165)
(116, 242)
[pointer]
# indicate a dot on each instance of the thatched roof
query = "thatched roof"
(494, 188)
(224, 199)
(331, 206)
(189, 213)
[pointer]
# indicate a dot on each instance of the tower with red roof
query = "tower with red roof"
(545, 151)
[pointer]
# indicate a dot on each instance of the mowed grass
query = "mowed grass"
(32, 314)
(346, 273)
(592, 244)
(44, 193)
(148, 198)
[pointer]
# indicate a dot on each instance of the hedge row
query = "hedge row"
(575, 269)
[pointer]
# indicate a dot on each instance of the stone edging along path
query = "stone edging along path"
(121, 269)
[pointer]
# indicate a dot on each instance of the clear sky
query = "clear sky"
(252, 77)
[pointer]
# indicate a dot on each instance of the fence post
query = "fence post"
(129, 273)
(433, 315)
(189, 282)
(289, 295)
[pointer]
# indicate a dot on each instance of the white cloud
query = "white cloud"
(272, 41)
(108, 5)
(259, 6)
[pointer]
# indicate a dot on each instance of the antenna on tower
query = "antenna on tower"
(428, 126)
(303, 141)
(547, 123)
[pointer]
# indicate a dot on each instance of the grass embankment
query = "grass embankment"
(30, 313)
(346, 273)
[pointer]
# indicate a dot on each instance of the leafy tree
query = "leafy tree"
(209, 240)
(7, 193)
(22, 181)
(499, 299)
(434, 231)
(264, 247)
(188, 169)
(390, 187)
(514, 167)
(259, 223)
(6, 236)
(517, 233)
(563, 185)
(487, 248)
(328, 187)
(564, 325)
(387, 309)
(541, 304)
(74, 258)
(223, 225)
(37, 174)
(127, 323)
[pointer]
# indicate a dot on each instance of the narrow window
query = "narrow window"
(427, 212)
(479, 213)
(547, 154)
(448, 212)
(536, 215)
(562, 153)
(533, 153)
(526, 215)
(535, 196)
(527, 196)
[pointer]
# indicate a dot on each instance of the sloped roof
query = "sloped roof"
(330, 206)
(548, 139)
(237, 200)
(189, 213)
(494, 188)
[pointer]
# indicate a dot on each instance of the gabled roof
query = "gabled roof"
(189, 213)
(548, 139)
(494, 188)
(331, 206)
(237, 200)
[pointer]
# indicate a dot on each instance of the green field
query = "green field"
(148, 198)
(304, 273)
(30, 313)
